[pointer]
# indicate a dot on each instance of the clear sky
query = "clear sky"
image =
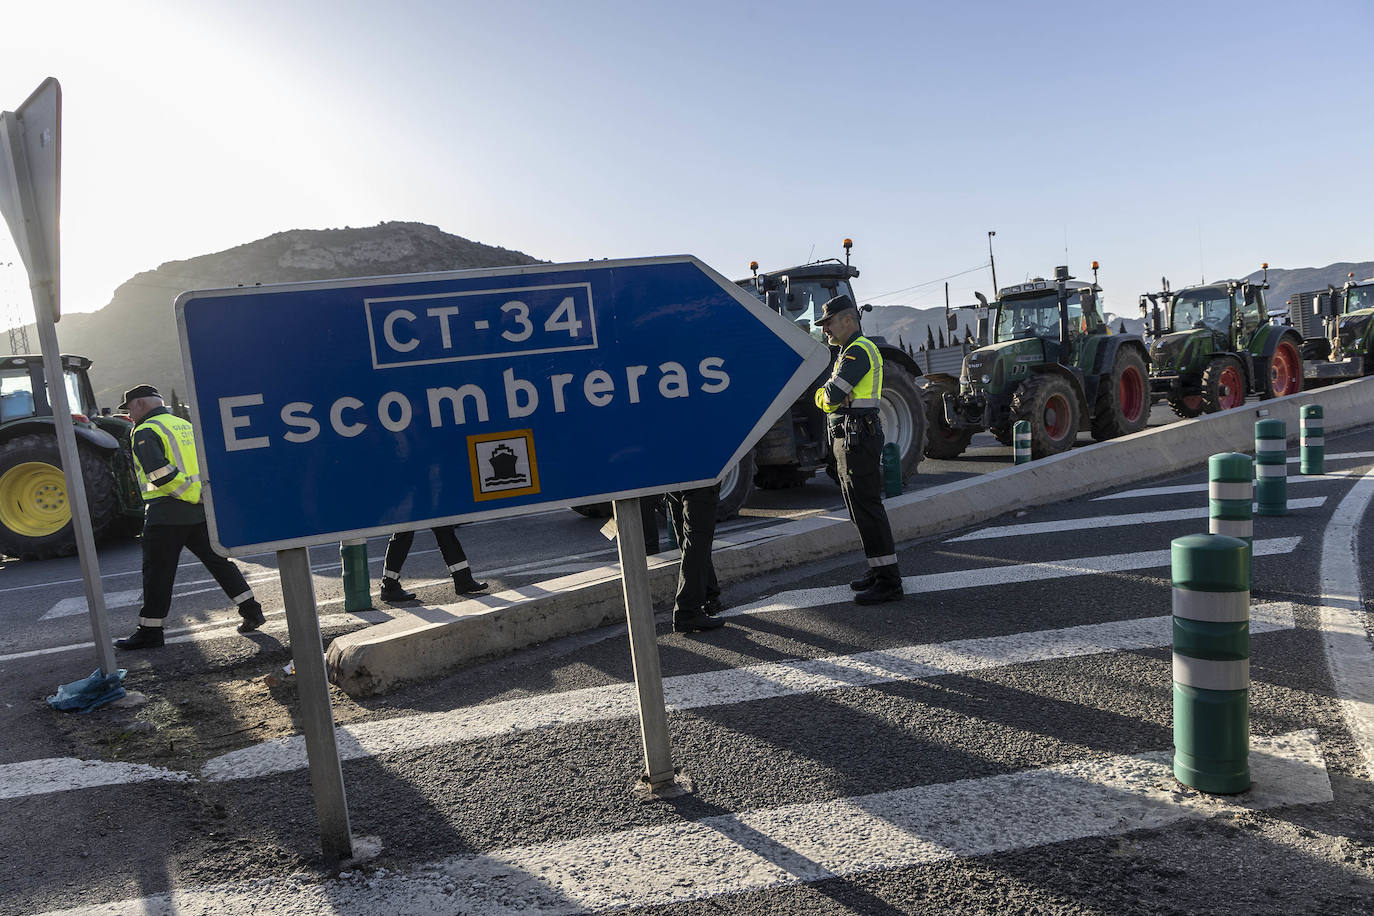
(1159, 138)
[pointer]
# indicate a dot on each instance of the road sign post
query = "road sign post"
(317, 713)
(639, 615)
(30, 199)
(482, 394)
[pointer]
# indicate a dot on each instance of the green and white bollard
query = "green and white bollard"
(1230, 490)
(1020, 438)
(1313, 451)
(892, 470)
(1211, 618)
(1271, 467)
(357, 584)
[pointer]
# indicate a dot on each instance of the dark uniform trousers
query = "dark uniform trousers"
(398, 548)
(692, 513)
(162, 550)
(858, 441)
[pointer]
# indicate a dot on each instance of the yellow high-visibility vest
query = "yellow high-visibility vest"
(868, 392)
(179, 445)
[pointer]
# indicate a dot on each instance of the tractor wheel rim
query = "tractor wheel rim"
(1283, 370)
(1232, 394)
(1130, 394)
(1056, 417)
(895, 415)
(1193, 401)
(33, 500)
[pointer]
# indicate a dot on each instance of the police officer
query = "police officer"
(692, 513)
(169, 476)
(449, 548)
(851, 397)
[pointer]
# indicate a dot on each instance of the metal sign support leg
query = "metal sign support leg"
(70, 456)
(317, 715)
(639, 614)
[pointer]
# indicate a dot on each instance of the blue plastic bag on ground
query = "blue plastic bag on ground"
(89, 692)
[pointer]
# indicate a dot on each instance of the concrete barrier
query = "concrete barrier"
(430, 641)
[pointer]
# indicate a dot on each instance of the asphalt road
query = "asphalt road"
(43, 608)
(998, 741)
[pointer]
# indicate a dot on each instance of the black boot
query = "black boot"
(887, 586)
(712, 607)
(464, 584)
(392, 591)
(690, 621)
(866, 580)
(143, 638)
(252, 615)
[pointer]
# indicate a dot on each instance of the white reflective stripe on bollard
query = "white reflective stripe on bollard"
(1271, 470)
(1215, 607)
(1208, 674)
(1230, 489)
(1271, 445)
(1310, 441)
(1231, 527)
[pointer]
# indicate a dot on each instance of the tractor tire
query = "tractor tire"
(35, 517)
(1123, 404)
(1223, 384)
(1284, 376)
(1002, 434)
(942, 440)
(1188, 406)
(1049, 404)
(735, 488)
(903, 414)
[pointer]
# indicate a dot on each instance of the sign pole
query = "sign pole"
(30, 198)
(317, 715)
(639, 614)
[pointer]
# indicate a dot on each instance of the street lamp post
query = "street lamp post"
(992, 263)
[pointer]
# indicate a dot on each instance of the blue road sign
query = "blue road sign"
(356, 407)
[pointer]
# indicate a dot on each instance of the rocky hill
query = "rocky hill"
(133, 339)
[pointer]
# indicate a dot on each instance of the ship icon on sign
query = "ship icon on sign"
(503, 464)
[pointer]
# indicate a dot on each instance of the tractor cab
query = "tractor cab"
(798, 293)
(24, 390)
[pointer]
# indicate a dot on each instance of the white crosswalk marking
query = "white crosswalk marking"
(1109, 521)
(68, 607)
(62, 774)
(1174, 489)
(716, 688)
(994, 575)
(770, 847)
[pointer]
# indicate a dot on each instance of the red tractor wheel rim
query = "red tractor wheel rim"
(1232, 388)
(1283, 370)
(1056, 416)
(1193, 401)
(1130, 394)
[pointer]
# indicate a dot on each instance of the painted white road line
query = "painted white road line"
(1328, 477)
(68, 607)
(772, 847)
(62, 774)
(1010, 574)
(1345, 635)
(726, 686)
(1108, 521)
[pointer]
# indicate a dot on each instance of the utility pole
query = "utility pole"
(992, 263)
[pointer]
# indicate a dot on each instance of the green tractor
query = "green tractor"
(35, 519)
(1337, 331)
(1053, 362)
(1218, 346)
